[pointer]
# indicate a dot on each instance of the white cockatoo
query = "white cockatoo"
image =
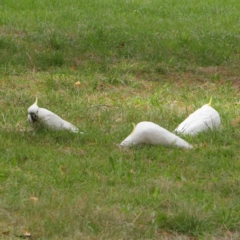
(203, 119)
(151, 133)
(42, 117)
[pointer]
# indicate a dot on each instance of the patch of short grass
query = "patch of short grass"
(45, 35)
(88, 187)
(136, 61)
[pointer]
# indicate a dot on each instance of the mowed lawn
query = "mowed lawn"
(135, 61)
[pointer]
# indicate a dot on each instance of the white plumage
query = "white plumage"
(203, 119)
(42, 117)
(151, 133)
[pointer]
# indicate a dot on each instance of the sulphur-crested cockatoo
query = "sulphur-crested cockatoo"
(151, 133)
(203, 119)
(42, 117)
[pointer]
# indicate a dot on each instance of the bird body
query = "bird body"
(151, 133)
(42, 117)
(202, 119)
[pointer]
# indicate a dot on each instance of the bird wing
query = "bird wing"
(53, 121)
(159, 135)
(202, 119)
(151, 133)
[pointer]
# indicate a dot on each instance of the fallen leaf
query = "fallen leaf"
(33, 199)
(27, 233)
(77, 84)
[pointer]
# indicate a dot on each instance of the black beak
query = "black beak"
(33, 117)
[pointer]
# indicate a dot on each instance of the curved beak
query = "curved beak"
(33, 117)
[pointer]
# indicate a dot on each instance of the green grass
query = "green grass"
(136, 60)
(40, 35)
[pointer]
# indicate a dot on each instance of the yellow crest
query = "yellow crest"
(134, 126)
(210, 102)
(36, 100)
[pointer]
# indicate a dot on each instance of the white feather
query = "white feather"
(203, 119)
(48, 119)
(151, 133)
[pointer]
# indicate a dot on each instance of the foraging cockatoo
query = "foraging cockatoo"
(203, 119)
(151, 133)
(43, 117)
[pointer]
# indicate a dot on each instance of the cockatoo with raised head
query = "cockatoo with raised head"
(202, 119)
(42, 117)
(151, 133)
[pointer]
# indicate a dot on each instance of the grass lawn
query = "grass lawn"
(136, 60)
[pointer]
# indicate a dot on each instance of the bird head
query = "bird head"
(33, 112)
(128, 141)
